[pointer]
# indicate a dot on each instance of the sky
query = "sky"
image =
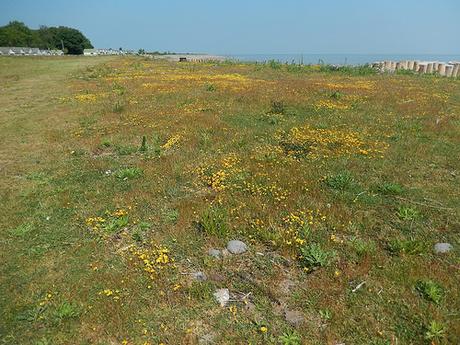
(253, 26)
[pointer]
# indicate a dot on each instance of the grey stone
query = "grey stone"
(441, 248)
(216, 253)
(237, 247)
(199, 276)
(294, 317)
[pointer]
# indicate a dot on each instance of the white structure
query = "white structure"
(110, 51)
(26, 51)
(450, 69)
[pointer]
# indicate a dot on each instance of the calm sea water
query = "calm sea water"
(341, 59)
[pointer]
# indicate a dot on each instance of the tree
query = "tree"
(17, 34)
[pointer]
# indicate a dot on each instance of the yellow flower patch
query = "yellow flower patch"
(323, 143)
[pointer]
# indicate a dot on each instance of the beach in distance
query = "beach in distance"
(340, 59)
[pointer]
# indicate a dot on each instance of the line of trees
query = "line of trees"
(17, 34)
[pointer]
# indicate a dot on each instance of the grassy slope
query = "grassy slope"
(219, 149)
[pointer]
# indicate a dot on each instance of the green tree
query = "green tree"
(17, 34)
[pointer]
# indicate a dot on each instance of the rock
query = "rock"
(237, 247)
(285, 286)
(199, 276)
(216, 253)
(249, 307)
(294, 317)
(222, 296)
(208, 338)
(441, 248)
(216, 277)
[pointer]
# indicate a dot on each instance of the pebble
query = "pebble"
(294, 317)
(207, 339)
(285, 286)
(216, 253)
(237, 247)
(222, 296)
(441, 248)
(199, 276)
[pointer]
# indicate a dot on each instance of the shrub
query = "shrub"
(313, 256)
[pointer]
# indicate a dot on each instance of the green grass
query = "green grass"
(118, 174)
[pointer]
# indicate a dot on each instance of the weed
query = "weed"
(118, 107)
(362, 247)
(143, 147)
(403, 246)
(125, 150)
(325, 314)
(290, 338)
(277, 107)
(106, 142)
(171, 216)
(336, 95)
(390, 188)
(65, 311)
(313, 256)
(407, 213)
(340, 181)
(113, 225)
(137, 237)
(210, 87)
(349, 70)
(435, 331)
(214, 222)
(430, 290)
(22, 230)
(274, 64)
(129, 173)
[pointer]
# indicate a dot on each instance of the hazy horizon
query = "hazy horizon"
(354, 27)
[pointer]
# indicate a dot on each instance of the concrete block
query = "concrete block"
(442, 69)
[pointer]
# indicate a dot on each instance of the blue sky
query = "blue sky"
(254, 26)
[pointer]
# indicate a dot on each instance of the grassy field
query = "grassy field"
(117, 175)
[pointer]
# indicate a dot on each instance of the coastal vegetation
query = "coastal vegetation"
(17, 34)
(122, 178)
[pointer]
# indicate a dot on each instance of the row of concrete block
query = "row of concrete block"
(450, 69)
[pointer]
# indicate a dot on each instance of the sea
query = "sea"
(340, 59)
